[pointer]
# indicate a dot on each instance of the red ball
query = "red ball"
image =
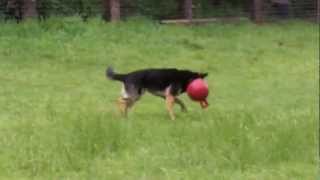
(198, 90)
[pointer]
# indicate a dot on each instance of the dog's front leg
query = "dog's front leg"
(180, 102)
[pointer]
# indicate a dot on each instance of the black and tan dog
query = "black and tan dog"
(165, 83)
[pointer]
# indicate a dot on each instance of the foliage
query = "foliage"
(159, 9)
(151, 8)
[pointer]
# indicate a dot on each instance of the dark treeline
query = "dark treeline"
(18, 9)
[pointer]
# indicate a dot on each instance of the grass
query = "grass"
(58, 118)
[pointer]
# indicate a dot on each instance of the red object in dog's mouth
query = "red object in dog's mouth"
(198, 91)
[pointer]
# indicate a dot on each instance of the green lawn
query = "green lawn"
(58, 118)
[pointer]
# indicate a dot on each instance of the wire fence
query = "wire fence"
(270, 10)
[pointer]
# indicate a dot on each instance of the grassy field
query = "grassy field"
(58, 118)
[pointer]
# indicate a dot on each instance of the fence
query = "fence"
(258, 10)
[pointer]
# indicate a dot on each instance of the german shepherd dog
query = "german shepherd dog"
(165, 83)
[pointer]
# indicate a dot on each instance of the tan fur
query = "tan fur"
(170, 100)
(124, 105)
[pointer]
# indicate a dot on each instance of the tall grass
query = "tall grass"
(58, 118)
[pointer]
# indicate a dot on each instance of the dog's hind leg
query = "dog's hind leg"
(170, 103)
(129, 95)
(124, 105)
(170, 100)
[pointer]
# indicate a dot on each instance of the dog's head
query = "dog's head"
(189, 76)
(203, 75)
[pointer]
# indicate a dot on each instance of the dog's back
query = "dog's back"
(156, 79)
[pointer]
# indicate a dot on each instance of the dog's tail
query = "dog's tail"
(114, 76)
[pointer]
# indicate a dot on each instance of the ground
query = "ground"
(58, 118)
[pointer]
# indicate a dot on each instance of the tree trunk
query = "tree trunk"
(318, 11)
(29, 8)
(257, 11)
(114, 10)
(188, 9)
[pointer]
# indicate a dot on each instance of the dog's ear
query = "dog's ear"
(203, 75)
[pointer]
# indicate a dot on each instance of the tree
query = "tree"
(318, 11)
(188, 9)
(111, 10)
(114, 10)
(29, 8)
(14, 10)
(257, 11)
